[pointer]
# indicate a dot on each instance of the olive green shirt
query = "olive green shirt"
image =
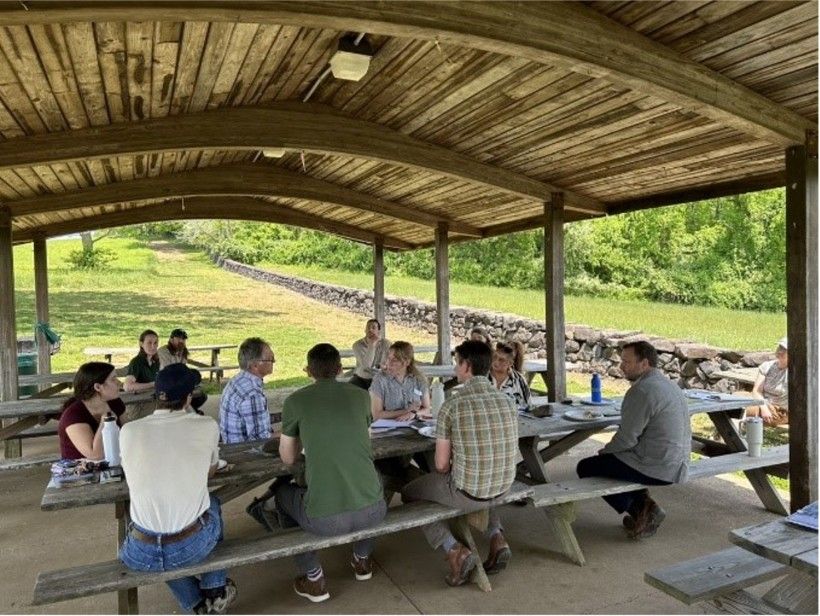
(331, 419)
(141, 370)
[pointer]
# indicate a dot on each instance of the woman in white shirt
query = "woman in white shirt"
(370, 353)
(772, 388)
(505, 373)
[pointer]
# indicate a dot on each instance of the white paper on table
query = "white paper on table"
(389, 424)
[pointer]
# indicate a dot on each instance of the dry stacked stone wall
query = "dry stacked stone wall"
(587, 349)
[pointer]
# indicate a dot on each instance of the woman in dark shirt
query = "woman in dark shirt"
(143, 368)
(96, 393)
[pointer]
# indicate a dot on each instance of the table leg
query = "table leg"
(796, 594)
(532, 459)
(757, 477)
(215, 362)
(461, 530)
(127, 600)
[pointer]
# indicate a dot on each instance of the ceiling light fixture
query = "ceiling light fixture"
(352, 58)
(274, 152)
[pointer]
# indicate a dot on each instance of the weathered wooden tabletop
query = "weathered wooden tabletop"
(781, 542)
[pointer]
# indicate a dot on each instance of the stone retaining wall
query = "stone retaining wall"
(587, 349)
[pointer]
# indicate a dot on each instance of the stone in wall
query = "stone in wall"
(752, 360)
(695, 351)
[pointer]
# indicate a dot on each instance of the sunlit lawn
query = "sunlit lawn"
(736, 329)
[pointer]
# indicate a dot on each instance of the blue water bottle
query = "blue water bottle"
(596, 388)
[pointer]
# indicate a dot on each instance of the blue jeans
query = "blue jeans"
(141, 556)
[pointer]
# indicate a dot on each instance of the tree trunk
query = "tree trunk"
(88, 241)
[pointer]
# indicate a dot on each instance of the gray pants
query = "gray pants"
(290, 501)
(439, 488)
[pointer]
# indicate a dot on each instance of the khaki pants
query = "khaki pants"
(780, 415)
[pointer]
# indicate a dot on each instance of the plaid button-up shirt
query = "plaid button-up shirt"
(243, 411)
(481, 424)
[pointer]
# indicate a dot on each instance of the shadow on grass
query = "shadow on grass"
(110, 313)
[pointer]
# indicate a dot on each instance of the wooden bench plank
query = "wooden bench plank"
(713, 575)
(111, 576)
(14, 464)
(581, 489)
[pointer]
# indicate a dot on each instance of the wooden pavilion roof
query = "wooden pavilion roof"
(472, 114)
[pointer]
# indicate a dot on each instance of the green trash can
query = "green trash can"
(27, 364)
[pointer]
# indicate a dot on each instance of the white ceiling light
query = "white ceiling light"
(351, 60)
(273, 152)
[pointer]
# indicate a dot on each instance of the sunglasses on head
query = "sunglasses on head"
(500, 346)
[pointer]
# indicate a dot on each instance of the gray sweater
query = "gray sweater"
(655, 436)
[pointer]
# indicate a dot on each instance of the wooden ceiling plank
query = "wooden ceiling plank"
(243, 36)
(800, 36)
(696, 20)
(17, 49)
(259, 48)
(42, 178)
(294, 83)
(285, 38)
(194, 35)
(9, 126)
(671, 12)
(114, 68)
(232, 180)
(167, 38)
(10, 184)
(80, 42)
(95, 169)
(254, 128)
(755, 76)
(797, 48)
(139, 42)
(50, 48)
(210, 62)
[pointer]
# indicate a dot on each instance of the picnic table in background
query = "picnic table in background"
(213, 367)
(743, 376)
(531, 368)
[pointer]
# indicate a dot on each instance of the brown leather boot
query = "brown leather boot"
(462, 562)
(500, 554)
(648, 520)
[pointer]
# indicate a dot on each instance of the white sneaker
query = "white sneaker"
(220, 605)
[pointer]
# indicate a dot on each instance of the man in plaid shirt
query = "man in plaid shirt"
(243, 411)
(476, 448)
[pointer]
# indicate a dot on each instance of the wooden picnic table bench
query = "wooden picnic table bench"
(109, 352)
(762, 552)
(744, 376)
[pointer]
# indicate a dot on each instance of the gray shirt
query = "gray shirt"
(369, 357)
(397, 395)
(775, 384)
(655, 436)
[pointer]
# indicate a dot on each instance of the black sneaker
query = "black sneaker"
(268, 519)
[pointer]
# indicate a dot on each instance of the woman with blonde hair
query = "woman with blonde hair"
(505, 373)
(772, 388)
(400, 391)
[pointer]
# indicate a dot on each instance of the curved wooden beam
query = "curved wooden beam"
(228, 181)
(311, 128)
(565, 34)
(236, 208)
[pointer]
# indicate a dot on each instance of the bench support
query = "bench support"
(796, 594)
(561, 518)
(127, 600)
(460, 527)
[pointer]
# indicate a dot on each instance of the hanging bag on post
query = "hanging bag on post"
(52, 337)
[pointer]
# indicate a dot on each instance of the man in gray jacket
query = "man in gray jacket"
(653, 442)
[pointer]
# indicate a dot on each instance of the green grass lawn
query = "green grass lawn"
(735, 329)
(167, 288)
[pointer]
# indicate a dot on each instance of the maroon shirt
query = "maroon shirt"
(76, 413)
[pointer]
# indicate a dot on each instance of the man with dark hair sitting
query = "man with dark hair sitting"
(476, 449)
(331, 420)
(652, 444)
(168, 458)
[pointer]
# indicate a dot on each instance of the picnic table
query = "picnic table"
(109, 352)
(744, 376)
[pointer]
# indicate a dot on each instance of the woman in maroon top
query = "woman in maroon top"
(96, 393)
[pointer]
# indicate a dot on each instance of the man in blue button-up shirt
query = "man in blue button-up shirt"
(243, 411)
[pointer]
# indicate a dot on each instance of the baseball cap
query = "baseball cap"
(179, 333)
(175, 382)
(784, 342)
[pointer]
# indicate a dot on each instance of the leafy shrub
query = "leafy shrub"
(94, 259)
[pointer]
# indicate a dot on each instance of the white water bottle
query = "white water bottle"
(754, 436)
(436, 398)
(111, 440)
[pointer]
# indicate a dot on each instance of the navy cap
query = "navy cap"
(175, 382)
(179, 333)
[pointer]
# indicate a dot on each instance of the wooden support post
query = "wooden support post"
(41, 305)
(378, 284)
(554, 293)
(801, 316)
(443, 293)
(8, 326)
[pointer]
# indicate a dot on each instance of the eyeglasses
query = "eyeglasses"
(265, 361)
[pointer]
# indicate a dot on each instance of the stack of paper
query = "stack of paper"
(806, 517)
(383, 425)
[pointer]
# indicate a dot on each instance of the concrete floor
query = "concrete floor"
(408, 575)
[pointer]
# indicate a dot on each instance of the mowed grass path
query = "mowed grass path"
(734, 329)
(167, 287)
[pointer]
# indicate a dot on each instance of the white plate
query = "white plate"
(584, 415)
(428, 431)
(221, 465)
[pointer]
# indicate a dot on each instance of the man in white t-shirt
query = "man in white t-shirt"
(167, 458)
(772, 388)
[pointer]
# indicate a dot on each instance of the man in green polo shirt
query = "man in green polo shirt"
(331, 420)
(476, 448)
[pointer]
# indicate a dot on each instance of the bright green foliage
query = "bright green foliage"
(724, 252)
(94, 259)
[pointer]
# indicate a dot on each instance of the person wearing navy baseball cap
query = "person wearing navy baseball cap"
(176, 352)
(168, 458)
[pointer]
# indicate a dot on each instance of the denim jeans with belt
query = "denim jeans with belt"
(140, 556)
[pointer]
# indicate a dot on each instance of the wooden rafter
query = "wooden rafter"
(231, 180)
(565, 34)
(238, 208)
(311, 128)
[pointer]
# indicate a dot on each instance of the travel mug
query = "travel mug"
(754, 435)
